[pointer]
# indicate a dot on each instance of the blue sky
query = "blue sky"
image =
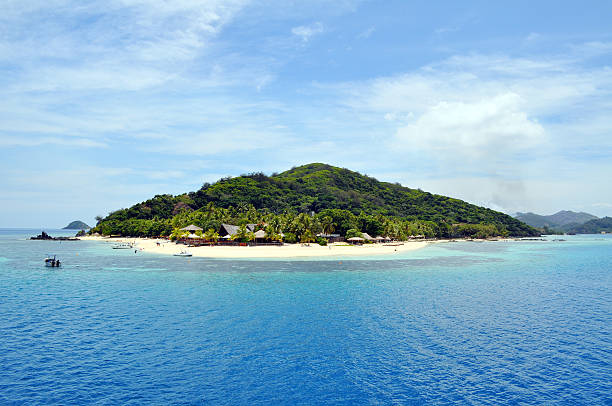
(107, 103)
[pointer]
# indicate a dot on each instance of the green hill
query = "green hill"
(323, 189)
(595, 226)
(76, 225)
(563, 219)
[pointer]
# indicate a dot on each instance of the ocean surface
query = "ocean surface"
(525, 322)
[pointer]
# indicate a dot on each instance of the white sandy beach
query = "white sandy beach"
(285, 251)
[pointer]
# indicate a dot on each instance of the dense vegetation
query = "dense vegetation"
(309, 199)
(594, 226)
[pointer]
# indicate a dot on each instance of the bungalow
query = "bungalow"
(331, 237)
(367, 237)
(228, 230)
(356, 240)
(260, 236)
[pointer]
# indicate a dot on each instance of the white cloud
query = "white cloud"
(486, 106)
(486, 129)
(305, 32)
(125, 45)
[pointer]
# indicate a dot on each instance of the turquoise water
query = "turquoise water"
(476, 323)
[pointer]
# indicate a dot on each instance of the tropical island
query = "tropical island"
(76, 225)
(309, 203)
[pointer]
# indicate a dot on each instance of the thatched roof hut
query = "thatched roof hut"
(355, 240)
(191, 228)
(228, 230)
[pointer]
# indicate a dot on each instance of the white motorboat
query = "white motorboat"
(123, 246)
(52, 262)
(183, 253)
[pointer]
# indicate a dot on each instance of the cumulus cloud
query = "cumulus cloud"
(490, 107)
(487, 128)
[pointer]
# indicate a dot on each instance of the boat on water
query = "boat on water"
(52, 262)
(123, 246)
(183, 253)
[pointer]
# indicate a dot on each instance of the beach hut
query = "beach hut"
(260, 236)
(367, 237)
(191, 228)
(356, 240)
(228, 230)
(380, 239)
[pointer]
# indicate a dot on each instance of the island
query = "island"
(314, 203)
(76, 225)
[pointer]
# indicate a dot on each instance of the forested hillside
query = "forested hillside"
(594, 226)
(339, 196)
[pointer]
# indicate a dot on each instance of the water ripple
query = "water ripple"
(444, 326)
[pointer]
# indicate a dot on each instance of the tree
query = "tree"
(242, 234)
(307, 237)
(211, 235)
(178, 234)
(353, 233)
(328, 224)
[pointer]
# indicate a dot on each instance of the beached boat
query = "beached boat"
(52, 262)
(123, 246)
(183, 253)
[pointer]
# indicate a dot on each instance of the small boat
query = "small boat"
(183, 253)
(52, 262)
(123, 246)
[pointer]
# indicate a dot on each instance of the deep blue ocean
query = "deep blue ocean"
(469, 323)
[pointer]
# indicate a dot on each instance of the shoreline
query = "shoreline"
(149, 245)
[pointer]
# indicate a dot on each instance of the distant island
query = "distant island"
(76, 225)
(596, 226)
(566, 221)
(306, 202)
(560, 219)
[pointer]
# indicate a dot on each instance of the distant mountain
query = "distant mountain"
(76, 225)
(594, 226)
(560, 220)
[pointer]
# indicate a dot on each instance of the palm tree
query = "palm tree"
(241, 235)
(328, 224)
(307, 236)
(211, 235)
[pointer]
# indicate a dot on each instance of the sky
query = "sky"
(104, 104)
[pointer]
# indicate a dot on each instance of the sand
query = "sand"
(286, 251)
